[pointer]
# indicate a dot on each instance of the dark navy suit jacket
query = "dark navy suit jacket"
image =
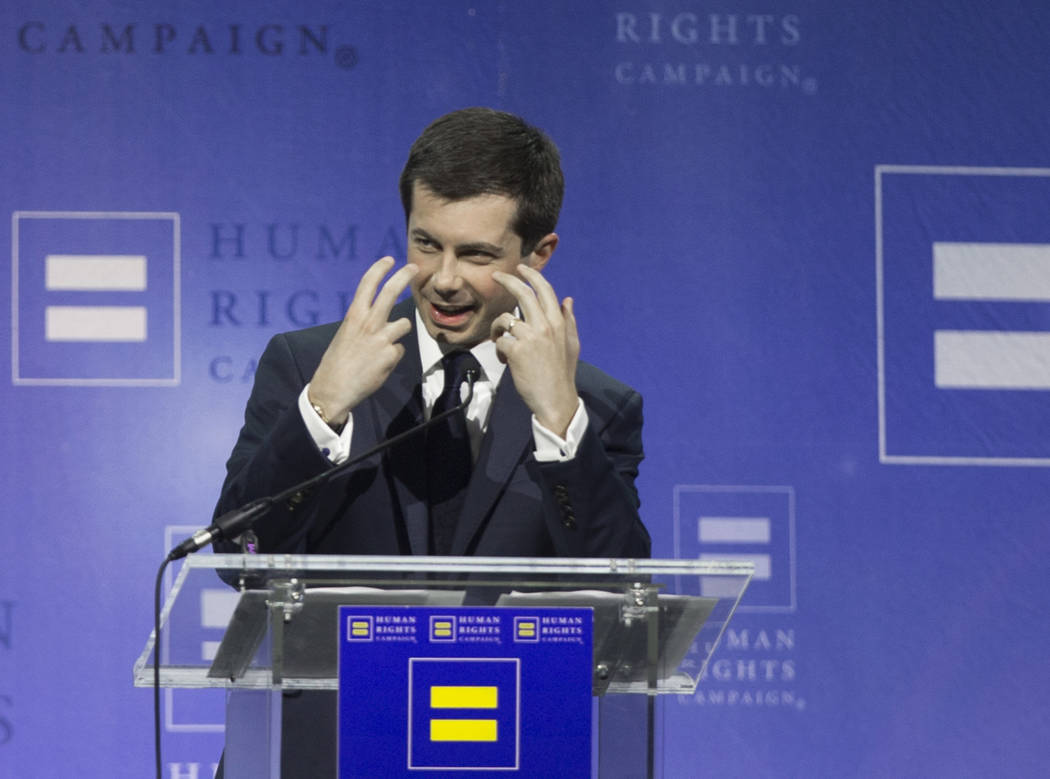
(515, 506)
(586, 507)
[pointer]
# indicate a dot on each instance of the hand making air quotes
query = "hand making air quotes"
(541, 349)
(365, 348)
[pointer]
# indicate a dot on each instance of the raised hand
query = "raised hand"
(364, 350)
(541, 351)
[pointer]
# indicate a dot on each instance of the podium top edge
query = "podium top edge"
(584, 566)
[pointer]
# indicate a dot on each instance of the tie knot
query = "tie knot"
(456, 365)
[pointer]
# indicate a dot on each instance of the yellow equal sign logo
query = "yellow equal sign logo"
(359, 629)
(526, 629)
(442, 628)
(464, 697)
(464, 713)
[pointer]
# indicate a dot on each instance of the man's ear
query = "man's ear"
(540, 256)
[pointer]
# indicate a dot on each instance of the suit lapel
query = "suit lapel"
(503, 447)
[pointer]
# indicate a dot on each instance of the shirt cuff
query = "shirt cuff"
(551, 447)
(336, 448)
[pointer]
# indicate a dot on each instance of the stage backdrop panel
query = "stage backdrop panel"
(813, 234)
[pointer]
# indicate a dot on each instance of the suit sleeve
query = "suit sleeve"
(273, 452)
(591, 502)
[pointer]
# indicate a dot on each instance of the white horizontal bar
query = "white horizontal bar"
(734, 530)
(762, 562)
(217, 607)
(991, 271)
(209, 649)
(97, 272)
(95, 323)
(991, 359)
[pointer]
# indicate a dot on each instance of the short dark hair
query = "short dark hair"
(481, 151)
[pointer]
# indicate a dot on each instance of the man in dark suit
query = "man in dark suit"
(554, 444)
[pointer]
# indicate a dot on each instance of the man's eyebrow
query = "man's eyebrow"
(483, 247)
(471, 247)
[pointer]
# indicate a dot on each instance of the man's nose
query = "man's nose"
(447, 275)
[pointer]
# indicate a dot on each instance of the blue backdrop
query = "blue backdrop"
(813, 234)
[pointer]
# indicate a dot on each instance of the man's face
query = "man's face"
(458, 244)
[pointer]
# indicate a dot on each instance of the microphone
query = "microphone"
(233, 523)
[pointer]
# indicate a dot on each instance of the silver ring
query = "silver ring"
(510, 327)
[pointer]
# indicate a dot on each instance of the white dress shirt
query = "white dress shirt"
(549, 446)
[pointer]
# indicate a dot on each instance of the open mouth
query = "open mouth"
(448, 315)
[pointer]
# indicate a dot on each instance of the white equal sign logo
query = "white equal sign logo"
(95, 273)
(991, 359)
(738, 531)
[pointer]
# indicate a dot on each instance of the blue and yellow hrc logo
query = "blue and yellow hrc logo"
(464, 697)
(359, 628)
(464, 713)
(526, 629)
(442, 628)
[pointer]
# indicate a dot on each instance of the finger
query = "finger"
(392, 289)
(568, 311)
(543, 290)
(523, 293)
(398, 329)
(502, 345)
(390, 356)
(366, 288)
(502, 325)
(572, 333)
(508, 322)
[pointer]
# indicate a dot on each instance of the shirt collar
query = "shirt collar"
(430, 354)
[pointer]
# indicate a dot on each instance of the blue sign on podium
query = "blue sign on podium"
(482, 690)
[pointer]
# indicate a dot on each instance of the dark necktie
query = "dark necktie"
(449, 461)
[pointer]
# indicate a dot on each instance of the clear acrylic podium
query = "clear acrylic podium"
(656, 624)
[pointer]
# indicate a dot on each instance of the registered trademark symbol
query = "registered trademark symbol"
(346, 57)
(809, 86)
